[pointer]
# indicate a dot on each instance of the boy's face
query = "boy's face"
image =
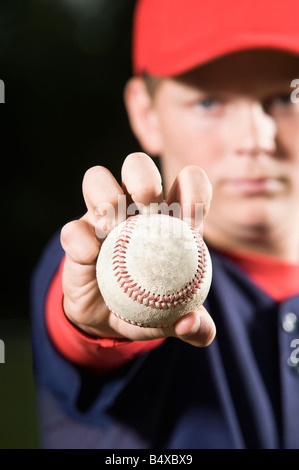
(234, 117)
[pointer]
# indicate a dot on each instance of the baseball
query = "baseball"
(152, 269)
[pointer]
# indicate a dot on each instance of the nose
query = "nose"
(257, 131)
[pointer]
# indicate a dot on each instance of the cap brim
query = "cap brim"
(172, 62)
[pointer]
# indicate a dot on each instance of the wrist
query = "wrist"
(87, 329)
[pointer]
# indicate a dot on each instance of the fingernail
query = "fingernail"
(194, 329)
(187, 326)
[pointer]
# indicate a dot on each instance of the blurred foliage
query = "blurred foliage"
(18, 410)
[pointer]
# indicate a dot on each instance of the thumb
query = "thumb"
(196, 328)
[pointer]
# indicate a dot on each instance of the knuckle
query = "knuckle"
(66, 232)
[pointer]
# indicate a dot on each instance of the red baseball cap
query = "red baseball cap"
(171, 37)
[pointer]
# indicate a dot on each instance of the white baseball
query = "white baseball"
(153, 269)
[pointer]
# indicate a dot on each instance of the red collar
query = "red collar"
(279, 279)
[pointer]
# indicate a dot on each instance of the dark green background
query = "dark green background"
(64, 64)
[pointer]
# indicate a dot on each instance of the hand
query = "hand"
(141, 183)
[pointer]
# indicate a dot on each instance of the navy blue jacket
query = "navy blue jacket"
(239, 392)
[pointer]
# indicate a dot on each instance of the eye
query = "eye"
(282, 99)
(207, 103)
(280, 104)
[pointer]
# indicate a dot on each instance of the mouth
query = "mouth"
(254, 186)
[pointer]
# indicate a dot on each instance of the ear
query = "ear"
(142, 116)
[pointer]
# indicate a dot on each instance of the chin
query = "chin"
(260, 225)
(253, 221)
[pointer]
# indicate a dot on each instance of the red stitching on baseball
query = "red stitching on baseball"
(133, 322)
(147, 298)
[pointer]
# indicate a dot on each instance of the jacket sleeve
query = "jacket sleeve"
(53, 370)
(99, 354)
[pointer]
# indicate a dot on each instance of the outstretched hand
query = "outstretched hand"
(81, 239)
